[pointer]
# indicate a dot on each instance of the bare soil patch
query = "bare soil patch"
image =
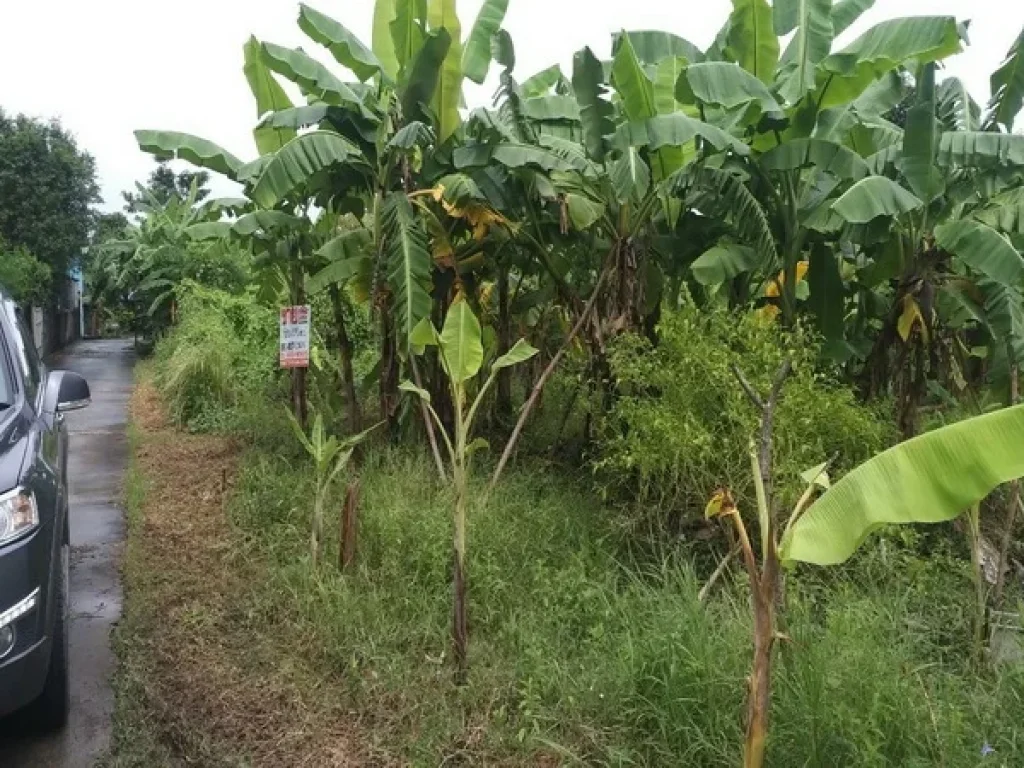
(220, 690)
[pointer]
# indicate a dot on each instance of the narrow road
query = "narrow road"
(98, 457)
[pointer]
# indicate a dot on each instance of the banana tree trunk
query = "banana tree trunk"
(389, 368)
(1011, 509)
(766, 582)
(460, 631)
(759, 701)
(503, 402)
(974, 539)
(437, 385)
(538, 387)
(345, 358)
(300, 402)
(349, 524)
(318, 525)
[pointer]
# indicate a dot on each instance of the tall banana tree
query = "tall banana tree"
(406, 126)
(599, 161)
(934, 217)
(278, 224)
(795, 109)
(733, 148)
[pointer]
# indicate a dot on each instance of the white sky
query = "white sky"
(107, 67)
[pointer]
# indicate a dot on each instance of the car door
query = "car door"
(43, 471)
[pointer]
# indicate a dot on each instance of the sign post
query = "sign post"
(295, 336)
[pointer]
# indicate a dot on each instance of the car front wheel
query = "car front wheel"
(50, 710)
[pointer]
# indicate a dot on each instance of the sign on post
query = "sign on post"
(295, 337)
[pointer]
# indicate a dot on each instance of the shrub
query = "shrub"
(682, 425)
(219, 360)
(26, 278)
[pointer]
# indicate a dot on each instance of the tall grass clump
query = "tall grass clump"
(218, 363)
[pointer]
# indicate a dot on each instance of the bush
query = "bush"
(218, 366)
(23, 276)
(219, 363)
(682, 425)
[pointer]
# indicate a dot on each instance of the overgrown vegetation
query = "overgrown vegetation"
(222, 349)
(25, 278)
(679, 429)
(745, 284)
(582, 653)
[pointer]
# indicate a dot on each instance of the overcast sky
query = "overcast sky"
(107, 67)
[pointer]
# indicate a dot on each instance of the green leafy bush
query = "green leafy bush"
(682, 425)
(220, 359)
(23, 276)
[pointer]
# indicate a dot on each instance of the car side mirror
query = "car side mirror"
(74, 393)
(66, 391)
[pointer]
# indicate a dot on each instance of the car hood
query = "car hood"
(14, 440)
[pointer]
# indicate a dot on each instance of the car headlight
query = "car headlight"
(18, 514)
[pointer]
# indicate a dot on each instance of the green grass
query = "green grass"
(581, 651)
(578, 655)
(137, 740)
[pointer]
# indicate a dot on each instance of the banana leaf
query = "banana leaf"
(929, 479)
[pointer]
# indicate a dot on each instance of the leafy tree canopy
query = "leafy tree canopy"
(47, 188)
(109, 226)
(164, 184)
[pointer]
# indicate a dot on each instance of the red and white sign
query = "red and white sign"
(295, 337)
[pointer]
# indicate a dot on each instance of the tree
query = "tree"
(47, 188)
(931, 217)
(108, 226)
(163, 184)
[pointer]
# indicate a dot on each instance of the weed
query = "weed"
(680, 428)
(581, 656)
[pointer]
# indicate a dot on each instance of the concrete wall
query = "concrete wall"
(54, 327)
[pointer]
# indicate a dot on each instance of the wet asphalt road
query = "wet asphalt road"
(98, 457)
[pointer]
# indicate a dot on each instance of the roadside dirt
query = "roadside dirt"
(218, 691)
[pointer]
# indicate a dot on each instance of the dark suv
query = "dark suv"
(34, 546)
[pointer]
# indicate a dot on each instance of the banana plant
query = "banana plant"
(1007, 84)
(762, 562)
(794, 109)
(936, 477)
(406, 124)
(604, 156)
(277, 225)
(461, 352)
(927, 219)
(158, 253)
(330, 458)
